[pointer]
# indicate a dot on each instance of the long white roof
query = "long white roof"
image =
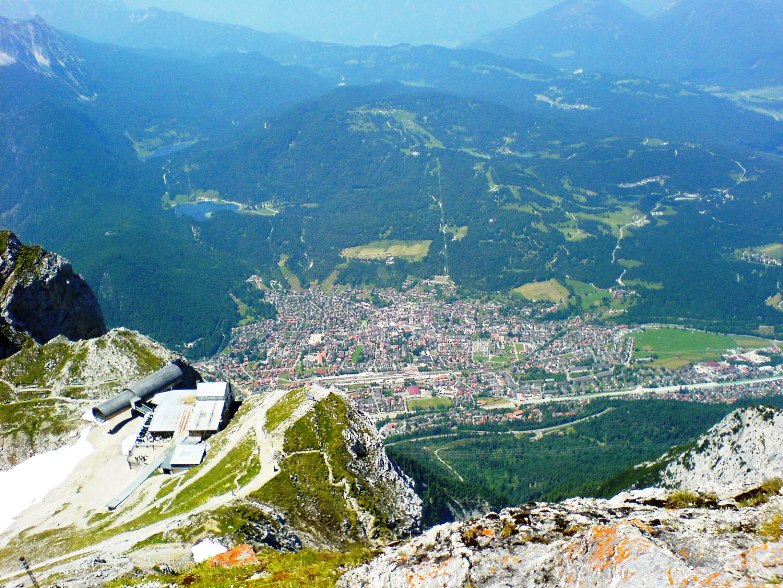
(188, 455)
(206, 415)
(211, 390)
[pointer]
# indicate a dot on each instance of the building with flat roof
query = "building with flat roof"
(171, 413)
(213, 391)
(185, 456)
(206, 418)
(189, 415)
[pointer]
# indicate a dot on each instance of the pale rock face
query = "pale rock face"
(402, 506)
(734, 456)
(584, 543)
(38, 48)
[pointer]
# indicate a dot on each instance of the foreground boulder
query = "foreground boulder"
(630, 541)
(735, 456)
(241, 555)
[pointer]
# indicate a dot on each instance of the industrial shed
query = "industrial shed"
(206, 418)
(172, 412)
(185, 456)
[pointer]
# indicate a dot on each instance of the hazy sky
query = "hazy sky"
(448, 22)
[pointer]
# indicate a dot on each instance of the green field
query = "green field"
(293, 281)
(590, 296)
(675, 347)
(613, 219)
(773, 250)
(551, 291)
(155, 138)
(457, 233)
(644, 284)
(413, 250)
(429, 403)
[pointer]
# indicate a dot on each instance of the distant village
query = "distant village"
(429, 356)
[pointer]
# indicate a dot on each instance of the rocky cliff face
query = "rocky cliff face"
(45, 388)
(629, 541)
(646, 538)
(37, 47)
(41, 297)
(733, 457)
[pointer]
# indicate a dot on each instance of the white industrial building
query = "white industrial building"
(186, 418)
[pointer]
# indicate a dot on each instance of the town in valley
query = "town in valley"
(423, 357)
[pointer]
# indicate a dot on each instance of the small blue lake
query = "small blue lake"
(203, 211)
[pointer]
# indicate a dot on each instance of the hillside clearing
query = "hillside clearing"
(551, 291)
(413, 250)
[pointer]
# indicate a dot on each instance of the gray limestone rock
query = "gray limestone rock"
(586, 543)
(41, 297)
(733, 457)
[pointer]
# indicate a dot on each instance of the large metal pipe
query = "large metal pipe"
(163, 379)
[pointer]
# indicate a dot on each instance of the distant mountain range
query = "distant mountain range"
(731, 43)
(31, 45)
(111, 22)
(734, 44)
(501, 171)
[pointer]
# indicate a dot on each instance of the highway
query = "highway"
(640, 390)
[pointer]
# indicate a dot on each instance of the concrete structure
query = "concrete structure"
(172, 437)
(185, 456)
(193, 415)
(137, 392)
(206, 418)
(171, 413)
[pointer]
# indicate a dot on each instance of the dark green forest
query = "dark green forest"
(514, 171)
(593, 458)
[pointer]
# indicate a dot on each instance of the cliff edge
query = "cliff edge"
(41, 297)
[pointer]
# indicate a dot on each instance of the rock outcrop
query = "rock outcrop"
(41, 297)
(629, 541)
(719, 523)
(734, 456)
(401, 506)
(42, 387)
(336, 485)
(35, 46)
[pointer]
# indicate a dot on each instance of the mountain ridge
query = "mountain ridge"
(683, 42)
(34, 45)
(41, 297)
(640, 538)
(150, 28)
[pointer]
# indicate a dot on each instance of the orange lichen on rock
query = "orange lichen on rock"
(241, 555)
(640, 525)
(613, 547)
(765, 556)
(605, 539)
